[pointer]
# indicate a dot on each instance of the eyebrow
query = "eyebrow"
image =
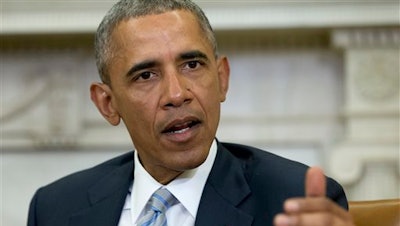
(152, 63)
(193, 55)
(141, 66)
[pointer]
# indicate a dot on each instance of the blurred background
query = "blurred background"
(316, 81)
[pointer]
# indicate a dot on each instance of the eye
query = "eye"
(145, 75)
(192, 65)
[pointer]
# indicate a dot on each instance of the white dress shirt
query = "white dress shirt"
(187, 188)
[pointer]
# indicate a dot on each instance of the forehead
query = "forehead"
(169, 28)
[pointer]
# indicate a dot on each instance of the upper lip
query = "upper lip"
(178, 124)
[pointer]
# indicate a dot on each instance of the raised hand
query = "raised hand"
(315, 209)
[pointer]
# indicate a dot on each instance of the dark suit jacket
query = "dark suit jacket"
(246, 186)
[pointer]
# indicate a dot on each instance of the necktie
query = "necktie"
(158, 204)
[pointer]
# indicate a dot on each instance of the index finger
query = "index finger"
(315, 182)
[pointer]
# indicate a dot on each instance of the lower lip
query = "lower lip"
(183, 135)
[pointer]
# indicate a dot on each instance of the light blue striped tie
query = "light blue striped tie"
(156, 207)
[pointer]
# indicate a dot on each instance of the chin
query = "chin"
(186, 162)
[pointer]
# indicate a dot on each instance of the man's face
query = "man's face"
(167, 87)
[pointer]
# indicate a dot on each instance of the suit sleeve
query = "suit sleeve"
(32, 219)
(336, 193)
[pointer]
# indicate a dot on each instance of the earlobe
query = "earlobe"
(223, 76)
(101, 95)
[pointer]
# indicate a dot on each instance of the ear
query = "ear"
(223, 76)
(102, 96)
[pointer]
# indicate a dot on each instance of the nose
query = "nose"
(176, 90)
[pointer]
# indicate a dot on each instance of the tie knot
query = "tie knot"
(156, 207)
(161, 200)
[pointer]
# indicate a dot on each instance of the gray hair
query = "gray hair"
(126, 9)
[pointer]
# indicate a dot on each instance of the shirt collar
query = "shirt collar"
(187, 187)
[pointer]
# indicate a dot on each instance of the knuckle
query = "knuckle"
(326, 204)
(328, 220)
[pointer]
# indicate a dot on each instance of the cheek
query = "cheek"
(135, 111)
(212, 91)
(139, 120)
(209, 98)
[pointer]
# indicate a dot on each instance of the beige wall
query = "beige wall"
(317, 83)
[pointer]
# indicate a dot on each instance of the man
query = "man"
(162, 75)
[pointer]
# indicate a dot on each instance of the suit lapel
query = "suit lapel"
(107, 198)
(225, 189)
(221, 197)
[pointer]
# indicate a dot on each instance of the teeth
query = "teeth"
(181, 130)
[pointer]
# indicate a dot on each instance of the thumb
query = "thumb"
(315, 182)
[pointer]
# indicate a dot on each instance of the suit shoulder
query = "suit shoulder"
(54, 203)
(267, 170)
(264, 169)
(265, 160)
(85, 177)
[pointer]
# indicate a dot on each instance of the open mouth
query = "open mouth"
(180, 127)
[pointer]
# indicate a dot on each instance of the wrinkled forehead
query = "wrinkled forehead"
(160, 38)
(165, 19)
(164, 28)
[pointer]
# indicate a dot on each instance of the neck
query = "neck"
(164, 177)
